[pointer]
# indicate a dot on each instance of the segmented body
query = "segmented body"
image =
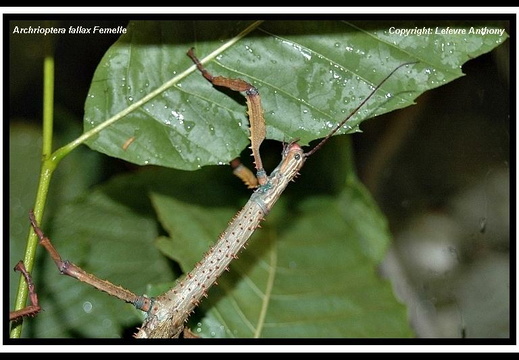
(189, 292)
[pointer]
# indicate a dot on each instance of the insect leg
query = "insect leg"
(32, 309)
(67, 268)
(255, 111)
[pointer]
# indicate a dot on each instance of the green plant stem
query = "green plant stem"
(48, 166)
(48, 104)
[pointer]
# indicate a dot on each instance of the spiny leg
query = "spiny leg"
(255, 111)
(34, 308)
(67, 268)
(244, 173)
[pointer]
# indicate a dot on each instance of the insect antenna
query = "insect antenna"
(323, 141)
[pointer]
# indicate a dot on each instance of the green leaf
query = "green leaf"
(312, 276)
(310, 74)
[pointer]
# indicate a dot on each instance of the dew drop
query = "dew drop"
(178, 115)
(188, 125)
(335, 75)
(87, 307)
(346, 127)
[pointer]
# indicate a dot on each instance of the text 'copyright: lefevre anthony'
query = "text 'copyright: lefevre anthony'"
(79, 30)
(483, 31)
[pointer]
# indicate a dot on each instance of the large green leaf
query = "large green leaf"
(310, 74)
(308, 272)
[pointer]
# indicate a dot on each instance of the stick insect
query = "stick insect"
(168, 313)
